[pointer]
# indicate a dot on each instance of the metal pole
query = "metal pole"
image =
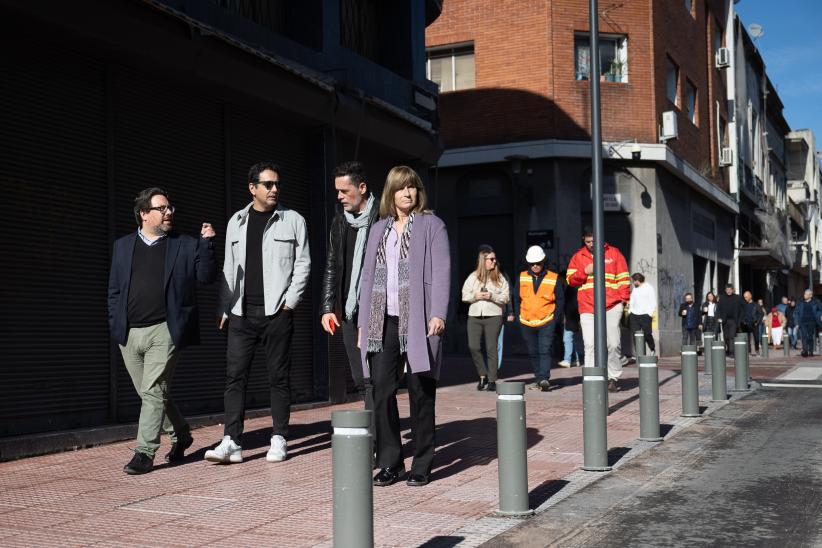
(639, 344)
(764, 346)
(512, 446)
(690, 382)
(719, 385)
(594, 431)
(352, 487)
(707, 344)
(741, 365)
(648, 399)
(594, 393)
(786, 348)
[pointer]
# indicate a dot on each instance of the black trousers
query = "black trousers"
(386, 371)
(690, 336)
(642, 322)
(244, 332)
(363, 384)
(729, 332)
(808, 333)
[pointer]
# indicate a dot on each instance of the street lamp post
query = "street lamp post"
(808, 228)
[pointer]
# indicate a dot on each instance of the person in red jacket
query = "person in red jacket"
(617, 293)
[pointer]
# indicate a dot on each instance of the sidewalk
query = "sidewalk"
(84, 498)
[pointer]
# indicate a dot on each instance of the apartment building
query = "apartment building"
(515, 122)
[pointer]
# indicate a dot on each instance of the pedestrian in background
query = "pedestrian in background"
(573, 351)
(759, 321)
(775, 321)
(709, 320)
(343, 266)
(265, 272)
(729, 315)
(689, 313)
(792, 327)
(642, 306)
(752, 316)
(539, 303)
(403, 305)
(153, 316)
(486, 292)
(617, 292)
(808, 315)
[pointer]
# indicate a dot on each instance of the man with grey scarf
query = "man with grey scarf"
(343, 265)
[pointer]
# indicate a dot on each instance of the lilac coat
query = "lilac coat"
(430, 264)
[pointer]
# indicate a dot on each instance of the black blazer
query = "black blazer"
(188, 261)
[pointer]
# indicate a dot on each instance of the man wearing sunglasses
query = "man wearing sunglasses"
(152, 313)
(266, 269)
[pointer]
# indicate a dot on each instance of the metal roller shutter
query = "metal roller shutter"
(54, 371)
(169, 136)
(255, 138)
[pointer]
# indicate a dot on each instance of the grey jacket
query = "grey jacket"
(286, 261)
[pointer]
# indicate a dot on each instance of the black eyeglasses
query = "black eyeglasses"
(162, 209)
(268, 184)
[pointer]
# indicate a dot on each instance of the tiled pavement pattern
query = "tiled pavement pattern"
(83, 497)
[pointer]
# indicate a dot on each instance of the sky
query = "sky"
(792, 48)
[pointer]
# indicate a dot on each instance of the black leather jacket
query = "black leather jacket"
(335, 262)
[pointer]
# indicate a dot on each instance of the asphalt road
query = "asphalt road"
(748, 475)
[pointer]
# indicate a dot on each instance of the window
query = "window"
(672, 81)
(613, 57)
(452, 67)
(690, 101)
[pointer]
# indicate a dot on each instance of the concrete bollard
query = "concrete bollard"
(818, 343)
(595, 419)
(648, 399)
(639, 344)
(353, 496)
(719, 384)
(512, 446)
(765, 345)
(690, 382)
(786, 348)
(740, 365)
(707, 344)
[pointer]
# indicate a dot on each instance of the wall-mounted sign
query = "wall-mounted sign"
(542, 238)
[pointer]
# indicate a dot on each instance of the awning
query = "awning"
(761, 257)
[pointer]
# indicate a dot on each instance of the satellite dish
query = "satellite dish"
(756, 30)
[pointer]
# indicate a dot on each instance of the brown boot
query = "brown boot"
(613, 386)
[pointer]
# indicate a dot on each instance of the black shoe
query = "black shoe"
(613, 386)
(139, 464)
(545, 385)
(418, 480)
(178, 450)
(387, 476)
(483, 382)
(491, 387)
(804, 354)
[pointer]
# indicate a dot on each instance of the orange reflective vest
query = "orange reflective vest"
(536, 308)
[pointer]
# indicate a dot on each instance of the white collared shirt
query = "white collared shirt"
(643, 300)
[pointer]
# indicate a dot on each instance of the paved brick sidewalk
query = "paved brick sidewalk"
(84, 498)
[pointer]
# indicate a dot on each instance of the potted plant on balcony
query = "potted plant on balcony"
(615, 69)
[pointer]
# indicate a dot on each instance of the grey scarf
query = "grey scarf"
(379, 299)
(361, 224)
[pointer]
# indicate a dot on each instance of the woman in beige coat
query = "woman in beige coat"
(486, 291)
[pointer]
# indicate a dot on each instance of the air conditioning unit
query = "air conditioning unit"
(723, 58)
(726, 156)
(669, 127)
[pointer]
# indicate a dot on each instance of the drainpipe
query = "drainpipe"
(733, 135)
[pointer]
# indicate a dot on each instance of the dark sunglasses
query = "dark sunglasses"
(268, 184)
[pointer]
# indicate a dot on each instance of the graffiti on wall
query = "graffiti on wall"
(672, 286)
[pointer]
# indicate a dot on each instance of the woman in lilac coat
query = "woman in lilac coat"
(403, 305)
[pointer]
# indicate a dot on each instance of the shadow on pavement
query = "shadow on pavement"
(616, 453)
(442, 542)
(664, 429)
(545, 491)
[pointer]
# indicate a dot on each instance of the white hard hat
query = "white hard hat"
(535, 254)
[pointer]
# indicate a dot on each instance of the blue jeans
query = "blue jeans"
(540, 343)
(572, 346)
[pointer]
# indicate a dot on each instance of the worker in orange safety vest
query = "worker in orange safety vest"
(617, 293)
(539, 303)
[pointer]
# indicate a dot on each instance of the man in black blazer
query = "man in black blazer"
(730, 311)
(152, 314)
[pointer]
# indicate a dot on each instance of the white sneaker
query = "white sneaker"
(278, 450)
(565, 363)
(226, 452)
